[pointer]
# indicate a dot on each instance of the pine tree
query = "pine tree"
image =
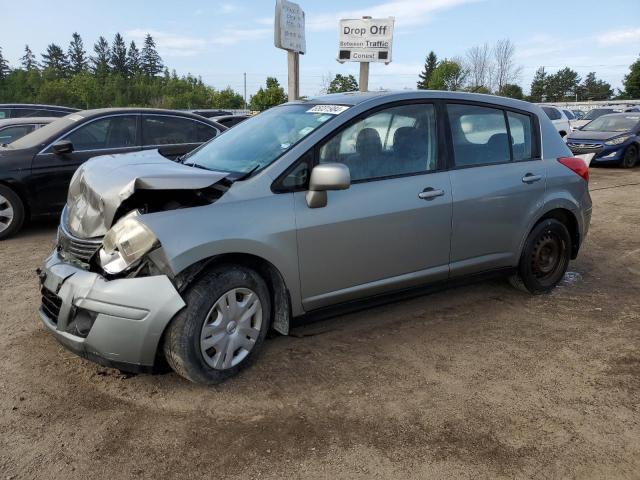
(150, 61)
(55, 61)
(430, 65)
(4, 66)
(28, 60)
(102, 57)
(539, 86)
(119, 56)
(77, 54)
(343, 83)
(133, 59)
(631, 81)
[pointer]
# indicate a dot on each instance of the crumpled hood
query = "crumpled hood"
(101, 184)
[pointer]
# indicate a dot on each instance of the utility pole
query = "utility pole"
(245, 90)
(293, 67)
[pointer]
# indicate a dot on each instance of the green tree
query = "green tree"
(227, 98)
(54, 61)
(150, 61)
(538, 86)
(119, 56)
(133, 59)
(28, 60)
(102, 58)
(511, 90)
(77, 55)
(4, 66)
(448, 75)
(343, 83)
(430, 65)
(631, 81)
(268, 97)
(594, 89)
(562, 85)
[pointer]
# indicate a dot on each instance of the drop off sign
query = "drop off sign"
(366, 40)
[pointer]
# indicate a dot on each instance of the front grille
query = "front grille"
(51, 304)
(74, 248)
(584, 146)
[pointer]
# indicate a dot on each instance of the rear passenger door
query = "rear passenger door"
(173, 135)
(498, 184)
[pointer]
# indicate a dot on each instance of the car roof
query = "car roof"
(161, 111)
(38, 105)
(356, 98)
(27, 120)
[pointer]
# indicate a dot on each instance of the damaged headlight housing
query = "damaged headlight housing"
(125, 244)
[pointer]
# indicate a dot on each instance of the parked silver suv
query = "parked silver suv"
(305, 209)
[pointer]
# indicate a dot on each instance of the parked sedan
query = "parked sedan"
(559, 120)
(19, 110)
(35, 170)
(14, 128)
(613, 138)
(304, 209)
(591, 115)
(230, 120)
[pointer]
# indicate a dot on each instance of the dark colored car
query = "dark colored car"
(209, 113)
(12, 129)
(35, 170)
(19, 110)
(230, 120)
(613, 138)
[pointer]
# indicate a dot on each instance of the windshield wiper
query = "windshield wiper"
(196, 165)
(248, 174)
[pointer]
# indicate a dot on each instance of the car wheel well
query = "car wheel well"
(568, 219)
(281, 300)
(21, 195)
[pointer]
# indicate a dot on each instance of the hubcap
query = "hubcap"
(546, 256)
(6, 214)
(231, 328)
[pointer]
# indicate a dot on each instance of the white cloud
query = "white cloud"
(406, 12)
(616, 37)
(169, 44)
(233, 36)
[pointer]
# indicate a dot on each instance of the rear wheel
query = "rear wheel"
(223, 326)
(11, 212)
(544, 259)
(630, 157)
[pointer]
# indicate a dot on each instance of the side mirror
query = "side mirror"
(62, 147)
(324, 177)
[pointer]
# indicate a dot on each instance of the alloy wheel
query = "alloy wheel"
(6, 213)
(231, 328)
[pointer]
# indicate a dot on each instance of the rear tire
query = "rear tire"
(222, 328)
(545, 258)
(630, 157)
(11, 212)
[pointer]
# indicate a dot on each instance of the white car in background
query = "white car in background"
(559, 119)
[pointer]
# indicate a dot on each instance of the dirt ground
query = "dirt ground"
(476, 382)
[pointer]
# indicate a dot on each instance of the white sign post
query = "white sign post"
(289, 35)
(365, 40)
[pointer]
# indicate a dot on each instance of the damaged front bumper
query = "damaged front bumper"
(117, 323)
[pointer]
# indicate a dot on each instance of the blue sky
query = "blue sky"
(219, 40)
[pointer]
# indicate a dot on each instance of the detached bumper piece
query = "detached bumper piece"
(117, 323)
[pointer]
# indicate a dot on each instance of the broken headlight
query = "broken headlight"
(127, 242)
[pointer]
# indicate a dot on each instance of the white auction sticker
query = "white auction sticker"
(332, 109)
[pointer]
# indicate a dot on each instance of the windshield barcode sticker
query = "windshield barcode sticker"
(332, 109)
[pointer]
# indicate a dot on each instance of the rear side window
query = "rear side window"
(4, 113)
(521, 136)
(479, 135)
(118, 131)
(9, 134)
(552, 113)
(168, 130)
(569, 115)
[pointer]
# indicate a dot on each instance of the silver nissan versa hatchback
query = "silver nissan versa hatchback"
(311, 207)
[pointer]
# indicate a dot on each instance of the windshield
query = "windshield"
(613, 123)
(41, 135)
(597, 112)
(260, 140)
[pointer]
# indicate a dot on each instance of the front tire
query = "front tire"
(11, 212)
(222, 328)
(544, 259)
(630, 157)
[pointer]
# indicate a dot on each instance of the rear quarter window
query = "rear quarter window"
(552, 113)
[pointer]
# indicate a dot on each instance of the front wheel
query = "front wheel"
(630, 157)
(11, 212)
(544, 259)
(223, 326)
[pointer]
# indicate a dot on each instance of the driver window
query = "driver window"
(396, 141)
(111, 132)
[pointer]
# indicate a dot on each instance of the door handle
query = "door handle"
(530, 178)
(430, 193)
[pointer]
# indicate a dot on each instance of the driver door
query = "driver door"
(51, 173)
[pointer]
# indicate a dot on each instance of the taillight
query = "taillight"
(577, 165)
